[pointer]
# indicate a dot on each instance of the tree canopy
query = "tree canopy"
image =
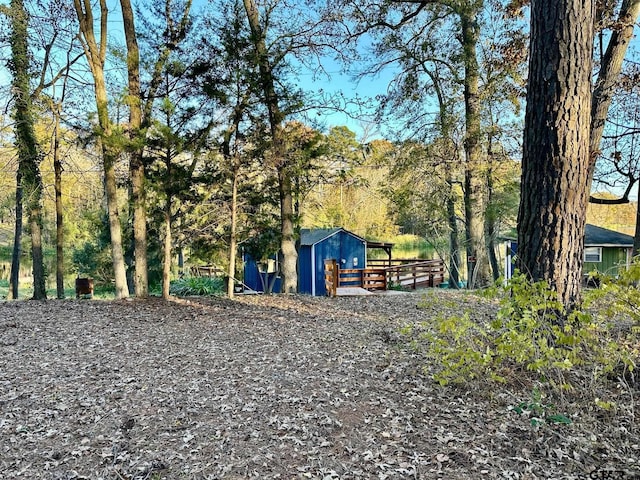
(207, 126)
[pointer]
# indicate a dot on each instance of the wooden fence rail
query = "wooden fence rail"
(429, 273)
(395, 262)
(207, 271)
(331, 277)
(368, 278)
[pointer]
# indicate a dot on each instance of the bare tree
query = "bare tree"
(136, 163)
(273, 103)
(610, 68)
(95, 52)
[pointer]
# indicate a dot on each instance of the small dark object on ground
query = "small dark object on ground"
(84, 286)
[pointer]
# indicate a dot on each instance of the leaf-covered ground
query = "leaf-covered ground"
(270, 387)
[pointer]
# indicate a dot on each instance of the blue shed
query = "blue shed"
(258, 275)
(318, 245)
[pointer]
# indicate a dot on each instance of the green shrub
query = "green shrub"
(533, 333)
(93, 260)
(201, 286)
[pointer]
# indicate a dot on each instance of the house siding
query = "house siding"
(612, 259)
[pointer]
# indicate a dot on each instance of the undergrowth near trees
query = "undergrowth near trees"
(532, 340)
(200, 286)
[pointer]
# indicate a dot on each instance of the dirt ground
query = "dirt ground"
(270, 387)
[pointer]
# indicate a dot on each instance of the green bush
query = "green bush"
(533, 333)
(93, 260)
(201, 286)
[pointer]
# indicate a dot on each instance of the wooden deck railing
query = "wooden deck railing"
(207, 271)
(428, 273)
(394, 262)
(368, 278)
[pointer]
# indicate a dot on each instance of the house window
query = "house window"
(593, 254)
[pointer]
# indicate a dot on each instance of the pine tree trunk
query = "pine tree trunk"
(168, 240)
(233, 240)
(166, 252)
(289, 268)
(556, 157)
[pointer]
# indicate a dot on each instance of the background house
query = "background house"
(605, 251)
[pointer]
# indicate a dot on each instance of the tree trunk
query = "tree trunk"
(96, 56)
(27, 146)
(636, 235)
(57, 168)
(166, 257)
(14, 283)
(115, 229)
(491, 249)
(289, 269)
(35, 224)
(454, 247)
(474, 185)
(233, 240)
(168, 241)
(556, 157)
(490, 214)
(287, 220)
(136, 162)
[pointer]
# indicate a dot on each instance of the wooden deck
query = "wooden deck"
(352, 292)
(408, 276)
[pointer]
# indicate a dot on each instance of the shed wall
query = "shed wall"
(304, 269)
(252, 276)
(341, 246)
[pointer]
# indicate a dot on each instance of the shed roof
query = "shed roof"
(603, 237)
(312, 236)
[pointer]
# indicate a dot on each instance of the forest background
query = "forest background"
(227, 131)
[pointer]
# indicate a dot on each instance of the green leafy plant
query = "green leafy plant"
(395, 286)
(201, 286)
(533, 335)
(539, 412)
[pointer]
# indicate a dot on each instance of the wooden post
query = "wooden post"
(331, 275)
